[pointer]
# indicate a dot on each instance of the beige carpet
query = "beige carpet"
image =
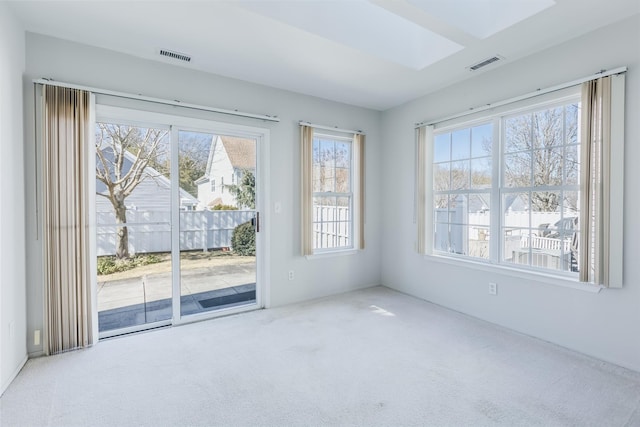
(367, 358)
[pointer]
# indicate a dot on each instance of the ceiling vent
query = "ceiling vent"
(485, 62)
(175, 55)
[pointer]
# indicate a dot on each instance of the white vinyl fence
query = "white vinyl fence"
(150, 231)
(331, 226)
(478, 224)
(545, 243)
(523, 241)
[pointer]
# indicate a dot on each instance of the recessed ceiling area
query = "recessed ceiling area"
(482, 19)
(371, 53)
(363, 26)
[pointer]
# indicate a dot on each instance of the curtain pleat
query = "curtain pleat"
(420, 196)
(306, 196)
(594, 246)
(359, 143)
(67, 281)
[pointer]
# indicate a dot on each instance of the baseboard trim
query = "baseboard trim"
(39, 353)
(13, 376)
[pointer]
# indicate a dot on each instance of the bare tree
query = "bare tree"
(332, 163)
(537, 154)
(123, 153)
(193, 153)
(472, 172)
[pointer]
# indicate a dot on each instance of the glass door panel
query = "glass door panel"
(133, 222)
(217, 226)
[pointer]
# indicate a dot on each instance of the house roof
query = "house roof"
(241, 151)
(149, 172)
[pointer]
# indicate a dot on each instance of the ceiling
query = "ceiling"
(371, 53)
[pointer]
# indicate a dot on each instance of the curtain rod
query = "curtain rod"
(175, 103)
(603, 73)
(336, 128)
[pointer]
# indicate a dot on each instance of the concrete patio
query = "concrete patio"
(147, 298)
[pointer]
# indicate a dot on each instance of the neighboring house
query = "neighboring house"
(152, 194)
(229, 158)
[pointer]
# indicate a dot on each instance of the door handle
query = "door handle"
(255, 222)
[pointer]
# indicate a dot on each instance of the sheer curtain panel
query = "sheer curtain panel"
(358, 140)
(424, 136)
(66, 135)
(306, 196)
(601, 180)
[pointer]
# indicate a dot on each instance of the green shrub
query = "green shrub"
(221, 207)
(110, 264)
(106, 265)
(243, 239)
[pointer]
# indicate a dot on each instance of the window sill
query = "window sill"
(548, 278)
(332, 254)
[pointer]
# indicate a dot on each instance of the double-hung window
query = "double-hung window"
(332, 193)
(332, 197)
(507, 187)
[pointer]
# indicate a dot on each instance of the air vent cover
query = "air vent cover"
(175, 55)
(485, 62)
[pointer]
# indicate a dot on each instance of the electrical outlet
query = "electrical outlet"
(493, 288)
(36, 337)
(291, 275)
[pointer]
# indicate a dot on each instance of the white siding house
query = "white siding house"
(152, 194)
(229, 158)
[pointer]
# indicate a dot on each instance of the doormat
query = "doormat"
(228, 299)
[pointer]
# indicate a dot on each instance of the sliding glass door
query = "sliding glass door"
(133, 207)
(217, 225)
(176, 220)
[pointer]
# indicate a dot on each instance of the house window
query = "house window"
(536, 184)
(506, 188)
(332, 180)
(462, 181)
(540, 188)
(213, 185)
(222, 184)
(332, 193)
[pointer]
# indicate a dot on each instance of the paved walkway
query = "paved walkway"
(134, 301)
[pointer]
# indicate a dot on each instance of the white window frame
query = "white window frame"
(351, 194)
(497, 117)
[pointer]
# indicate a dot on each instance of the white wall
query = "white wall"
(604, 325)
(13, 327)
(81, 64)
